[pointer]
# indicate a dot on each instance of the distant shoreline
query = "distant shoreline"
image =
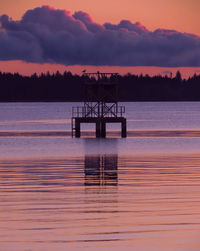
(68, 87)
(79, 101)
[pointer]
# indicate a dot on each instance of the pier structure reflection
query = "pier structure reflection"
(101, 170)
(100, 164)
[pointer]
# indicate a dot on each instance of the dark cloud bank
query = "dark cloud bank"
(48, 35)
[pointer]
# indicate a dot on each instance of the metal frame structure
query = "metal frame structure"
(100, 104)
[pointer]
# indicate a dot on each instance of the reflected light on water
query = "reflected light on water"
(139, 193)
(101, 170)
(96, 202)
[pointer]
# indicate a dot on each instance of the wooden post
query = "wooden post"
(98, 129)
(103, 129)
(123, 129)
(77, 129)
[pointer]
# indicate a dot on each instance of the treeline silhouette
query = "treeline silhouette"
(68, 87)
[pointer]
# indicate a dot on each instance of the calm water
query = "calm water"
(139, 193)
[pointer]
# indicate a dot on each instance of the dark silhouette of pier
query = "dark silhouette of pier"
(101, 170)
(100, 105)
(101, 162)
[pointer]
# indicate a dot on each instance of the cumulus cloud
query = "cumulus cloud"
(48, 35)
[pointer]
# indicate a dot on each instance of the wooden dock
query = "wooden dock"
(100, 125)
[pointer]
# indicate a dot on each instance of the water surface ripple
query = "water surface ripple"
(100, 201)
(140, 193)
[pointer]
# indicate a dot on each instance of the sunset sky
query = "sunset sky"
(182, 51)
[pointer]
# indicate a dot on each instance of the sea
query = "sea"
(137, 193)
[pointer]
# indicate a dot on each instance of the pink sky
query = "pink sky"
(30, 68)
(181, 15)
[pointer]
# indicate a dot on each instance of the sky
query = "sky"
(147, 46)
(182, 15)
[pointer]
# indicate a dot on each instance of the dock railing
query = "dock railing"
(94, 112)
